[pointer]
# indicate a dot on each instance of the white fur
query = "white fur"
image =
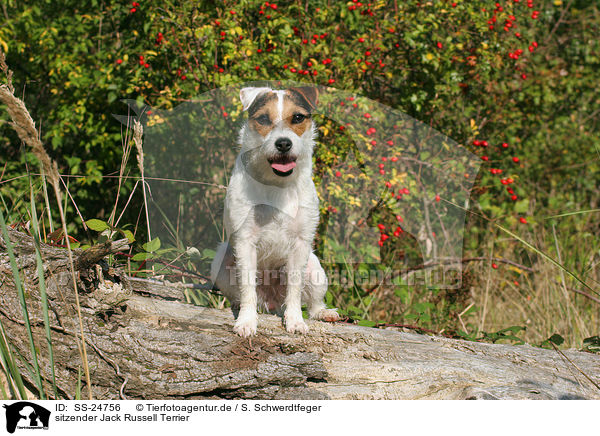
(270, 223)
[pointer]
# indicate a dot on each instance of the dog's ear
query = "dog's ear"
(248, 95)
(309, 93)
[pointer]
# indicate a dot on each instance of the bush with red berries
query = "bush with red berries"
(515, 82)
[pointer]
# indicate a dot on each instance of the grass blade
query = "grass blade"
(13, 375)
(545, 256)
(573, 213)
(19, 287)
(43, 295)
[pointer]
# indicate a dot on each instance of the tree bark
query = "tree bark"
(144, 342)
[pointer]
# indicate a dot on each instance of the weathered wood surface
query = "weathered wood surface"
(144, 342)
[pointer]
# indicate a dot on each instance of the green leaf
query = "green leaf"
(522, 206)
(592, 344)
(367, 323)
(97, 225)
(128, 235)
(556, 339)
(139, 257)
(152, 246)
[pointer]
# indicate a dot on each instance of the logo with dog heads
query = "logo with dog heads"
(26, 415)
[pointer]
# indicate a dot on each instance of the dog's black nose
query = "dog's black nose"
(283, 145)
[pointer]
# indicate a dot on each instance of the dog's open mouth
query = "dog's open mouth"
(283, 166)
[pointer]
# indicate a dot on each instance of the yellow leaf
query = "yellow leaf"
(429, 56)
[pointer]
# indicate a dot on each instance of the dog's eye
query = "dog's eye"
(298, 118)
(263, 120)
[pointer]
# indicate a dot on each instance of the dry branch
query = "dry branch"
(145, 342)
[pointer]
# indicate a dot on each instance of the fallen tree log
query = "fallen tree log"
(145, 342)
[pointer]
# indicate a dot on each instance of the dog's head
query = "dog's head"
(277, 141)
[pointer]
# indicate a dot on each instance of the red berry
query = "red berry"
(439, 45)
(338, 174)
(384, 237)
(494, 266)
(515, 159)
(513, 198)
(330, 81)
(232, 12)
(485, 158)
(523, 220)
(504, 145)
(119, 61)
(437, 198)
(361, 39)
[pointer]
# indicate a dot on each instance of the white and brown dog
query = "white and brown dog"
(271, 214)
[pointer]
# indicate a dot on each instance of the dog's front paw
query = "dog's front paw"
(245, 326)
(327, 315)
(295, 323)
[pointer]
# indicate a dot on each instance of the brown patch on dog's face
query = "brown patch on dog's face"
(296, 117)
(264, 113)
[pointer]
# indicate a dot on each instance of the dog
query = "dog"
(271, 214)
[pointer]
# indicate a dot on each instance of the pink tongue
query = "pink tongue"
(284, 168)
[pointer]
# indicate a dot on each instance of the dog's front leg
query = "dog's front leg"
(296, 266)
(245, 254)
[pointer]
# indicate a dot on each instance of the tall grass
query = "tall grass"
(43, 295)
(24, 126)
(19, 287)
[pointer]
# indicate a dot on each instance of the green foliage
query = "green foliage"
(592, 344)
(451, 67)
(555, 339)
(507, 334)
